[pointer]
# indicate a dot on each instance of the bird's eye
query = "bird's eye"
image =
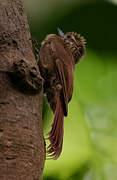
(69, 36)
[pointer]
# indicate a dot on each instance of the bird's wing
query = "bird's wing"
(61, 71)
(70, 83)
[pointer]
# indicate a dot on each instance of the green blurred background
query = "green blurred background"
(90, 135)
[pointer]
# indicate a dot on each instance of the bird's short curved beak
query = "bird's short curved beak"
(60, 33)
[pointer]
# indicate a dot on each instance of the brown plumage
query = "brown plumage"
(58, 56)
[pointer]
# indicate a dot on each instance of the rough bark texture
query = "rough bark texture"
(22, 150)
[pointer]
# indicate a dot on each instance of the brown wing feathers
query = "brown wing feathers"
(60, 68)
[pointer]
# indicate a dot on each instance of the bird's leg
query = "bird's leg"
(35, 48)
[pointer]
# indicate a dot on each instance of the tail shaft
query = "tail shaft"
(56, 132)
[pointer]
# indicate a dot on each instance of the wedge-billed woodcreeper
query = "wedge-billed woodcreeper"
(58, 56)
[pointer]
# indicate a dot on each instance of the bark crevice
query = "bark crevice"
(22, 149)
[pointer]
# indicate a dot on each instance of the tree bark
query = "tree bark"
(22, 149)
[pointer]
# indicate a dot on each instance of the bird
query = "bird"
(57, 59)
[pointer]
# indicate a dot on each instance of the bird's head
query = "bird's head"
(75, 43)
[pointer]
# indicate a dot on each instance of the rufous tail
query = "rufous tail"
(56, 132)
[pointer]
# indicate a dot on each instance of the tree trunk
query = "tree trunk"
(22, 149)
